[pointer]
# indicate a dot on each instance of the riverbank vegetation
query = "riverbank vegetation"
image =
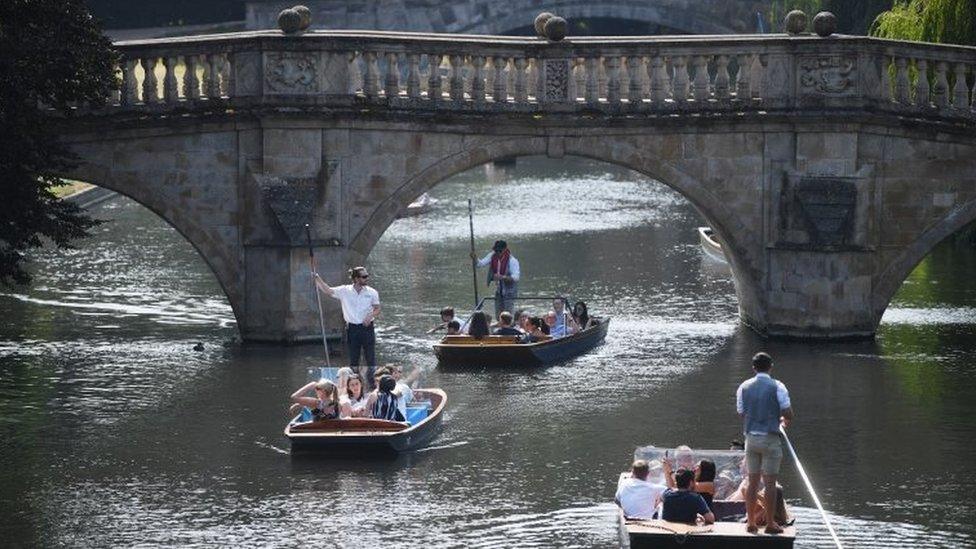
(54, 56)
(939, 21)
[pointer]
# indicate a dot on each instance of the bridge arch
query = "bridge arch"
(899, 268)
(721, 218)
(208, 248)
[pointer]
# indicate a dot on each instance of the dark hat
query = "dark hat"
(499, 245)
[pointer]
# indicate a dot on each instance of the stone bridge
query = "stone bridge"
(493, 17)
(827, 167)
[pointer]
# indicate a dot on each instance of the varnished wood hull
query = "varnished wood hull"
(367, 437)
(522, 354)
(646, 534)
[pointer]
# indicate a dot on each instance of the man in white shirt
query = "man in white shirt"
(635, 495)
(504, 272)
(360, 307)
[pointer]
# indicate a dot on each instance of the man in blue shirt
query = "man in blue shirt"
(683, 504)
(763, 403)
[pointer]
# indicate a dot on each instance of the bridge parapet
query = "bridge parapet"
(484, 74)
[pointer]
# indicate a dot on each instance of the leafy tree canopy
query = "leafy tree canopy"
(940, 21)
(54, 55)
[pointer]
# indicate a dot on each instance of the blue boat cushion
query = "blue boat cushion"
(416, 414)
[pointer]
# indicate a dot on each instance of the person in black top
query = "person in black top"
(683, 504)
(705, 480)
(478, 328)
(505, 325)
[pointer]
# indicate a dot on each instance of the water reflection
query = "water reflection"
(116, 432)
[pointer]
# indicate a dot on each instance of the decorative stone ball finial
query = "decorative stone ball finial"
(795, 22)
(289, 21)
(540, 23)
(825, 23)
(556, 28)
(306, 15)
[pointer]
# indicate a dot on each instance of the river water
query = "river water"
(116, 432)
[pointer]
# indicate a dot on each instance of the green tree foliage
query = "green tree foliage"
(940, 21)
(53, 55)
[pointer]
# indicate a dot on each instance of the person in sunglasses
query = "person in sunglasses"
(360, 307)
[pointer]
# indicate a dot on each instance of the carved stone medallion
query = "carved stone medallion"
(287, 72)
(827, 75)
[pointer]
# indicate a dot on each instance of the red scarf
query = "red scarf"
(499, 264)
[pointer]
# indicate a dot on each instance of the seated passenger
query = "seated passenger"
(683, 504)
(384, 400)
(403, 385)
(636, 496)
(352, 396)
(447, 316)
(453, 328)
(325, 403)
(536, 331)
(478, 327)
(781, 516)
(564, 322)
(581, 315)
(705, 480)
(505, 325)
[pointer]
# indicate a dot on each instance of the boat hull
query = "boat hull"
(368, 437)
(710, 244)
(645, 534)
(521, 354)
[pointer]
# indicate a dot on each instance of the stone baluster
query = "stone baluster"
(371, 75)
(212, 80)
(150, 84)
(960, 93)
(499, 92)
(743, 90)
(578, 80)
(538, 79)
(521, 86)
(901, 81)
(922, 86)
(391, 84)
(434, 89)
(478, 84)
(940, 92)
(227, 76)
(885, 96)
(457, 78)
(722, 78)
(680, 81)
(129, 95)
(205, 79)
(972, 94)
(592, 80)
(613, 79)
(171, 92)
(413, 76)
(635, 86)
(191, 83)
(759, 64)
(701, 78)
(659, 80)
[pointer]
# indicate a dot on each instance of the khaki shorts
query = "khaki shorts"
(764, 453)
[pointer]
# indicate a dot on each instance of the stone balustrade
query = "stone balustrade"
(667, 75)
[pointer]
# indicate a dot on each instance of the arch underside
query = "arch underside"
(743, 261)
(207, 247)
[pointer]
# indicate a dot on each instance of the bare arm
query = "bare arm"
(668, 474)
(708, 518)
(372, 315)
(787, 416)
(311, 402)
(439, 327)
(323, 287)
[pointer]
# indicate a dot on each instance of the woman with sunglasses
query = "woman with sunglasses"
(325, 403)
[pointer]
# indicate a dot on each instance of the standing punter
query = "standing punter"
(505, 273)
(360, 307)
(763, 403)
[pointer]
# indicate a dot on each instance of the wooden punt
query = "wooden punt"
(422, 205)
(365, 436)
(642, 534)
(711, 245)
(506, 351)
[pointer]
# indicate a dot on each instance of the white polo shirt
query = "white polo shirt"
(356, 305)
(638, 497)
